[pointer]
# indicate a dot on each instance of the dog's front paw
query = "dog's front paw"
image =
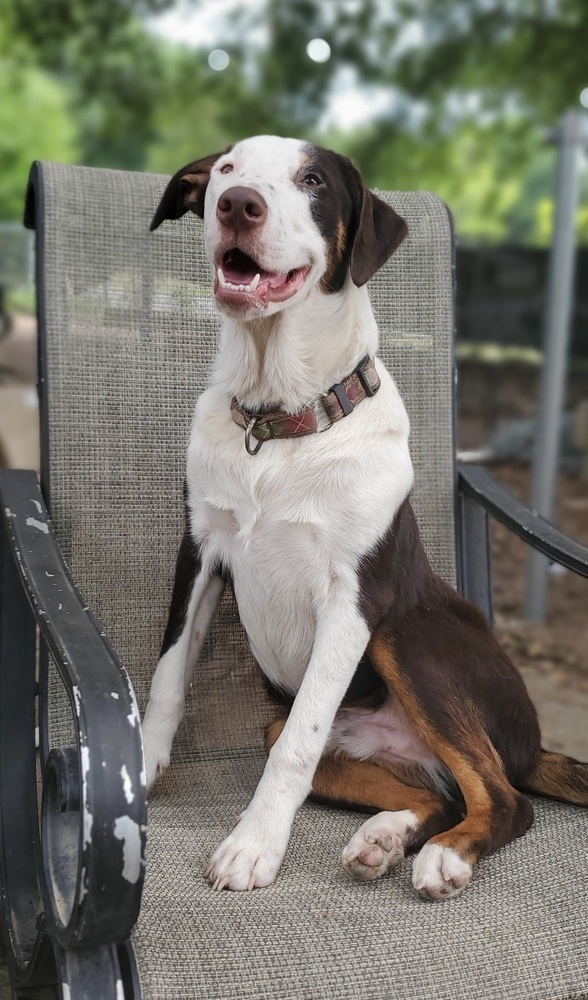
(248, 858)
(155, 765)
(438, 872)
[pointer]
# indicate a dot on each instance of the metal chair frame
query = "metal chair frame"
(81, 947)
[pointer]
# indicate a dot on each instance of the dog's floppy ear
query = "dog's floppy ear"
(185, 192)
(379, 233)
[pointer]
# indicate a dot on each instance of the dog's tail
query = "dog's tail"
(559, 777)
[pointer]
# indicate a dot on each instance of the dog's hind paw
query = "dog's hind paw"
(439, 873)
(378, 845)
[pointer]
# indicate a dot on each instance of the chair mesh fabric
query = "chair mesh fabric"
(131, 330)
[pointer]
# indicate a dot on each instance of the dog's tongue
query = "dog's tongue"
(240, 280)
(240, 269)
(274, 280)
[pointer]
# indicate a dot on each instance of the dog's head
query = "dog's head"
(281, 217)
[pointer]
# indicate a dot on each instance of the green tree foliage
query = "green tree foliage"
(528, 53)
(103, 54)
(190, 117)
(470, 168)
(525, 55)
(472, 85)
(34, 122)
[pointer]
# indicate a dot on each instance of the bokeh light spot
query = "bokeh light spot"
(219, 59)
(584, 97)
(318, 50)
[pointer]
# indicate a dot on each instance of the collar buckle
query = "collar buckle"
(365, 384)
(342, 398)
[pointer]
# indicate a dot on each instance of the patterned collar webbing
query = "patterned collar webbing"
(338, 402)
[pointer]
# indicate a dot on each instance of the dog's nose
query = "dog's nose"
(241, 208)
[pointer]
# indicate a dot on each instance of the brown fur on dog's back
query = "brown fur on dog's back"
(559, 777)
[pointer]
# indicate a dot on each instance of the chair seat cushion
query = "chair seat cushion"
(520, 930)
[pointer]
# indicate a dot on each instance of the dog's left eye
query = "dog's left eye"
(226, 168)
(311, 180)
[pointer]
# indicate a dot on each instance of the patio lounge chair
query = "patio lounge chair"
(127, 331)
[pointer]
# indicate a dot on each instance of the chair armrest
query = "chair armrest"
(93, 898)
(478, 484)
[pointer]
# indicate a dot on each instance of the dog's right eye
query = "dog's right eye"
(226, 168)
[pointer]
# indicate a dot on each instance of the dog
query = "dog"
(402, 702)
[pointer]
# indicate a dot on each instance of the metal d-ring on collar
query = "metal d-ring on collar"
(248, 433)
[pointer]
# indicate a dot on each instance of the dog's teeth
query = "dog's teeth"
(233, 286)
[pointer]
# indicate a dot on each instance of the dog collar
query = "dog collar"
(338, 402)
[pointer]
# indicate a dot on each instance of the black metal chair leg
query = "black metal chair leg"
(91, 973)
(38, 981)
(20, 852)
(474, 569)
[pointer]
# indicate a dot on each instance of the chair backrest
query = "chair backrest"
(129, 328)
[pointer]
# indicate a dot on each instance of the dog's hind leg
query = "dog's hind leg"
(406, 816)
(496, 812)
(196, 596)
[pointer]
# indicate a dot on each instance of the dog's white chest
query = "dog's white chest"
(292, 522)
(263, 527)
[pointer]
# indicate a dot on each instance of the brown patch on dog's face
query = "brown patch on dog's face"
(337, 259)
(334, 192)
(360, 230)
(341, 241)
(186, 190)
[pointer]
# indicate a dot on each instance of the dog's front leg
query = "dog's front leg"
(251, 855)
(196, 595)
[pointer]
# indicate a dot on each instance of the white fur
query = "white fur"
(269, 165)
(298, 516)
(378, 845)
(438, 872)
(292, 523)
(174, 671)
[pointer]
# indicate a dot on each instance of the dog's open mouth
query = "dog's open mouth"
(240, 280)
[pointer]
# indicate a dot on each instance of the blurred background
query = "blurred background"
(458, 96)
